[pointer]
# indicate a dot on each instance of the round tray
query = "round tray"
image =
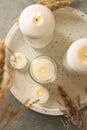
(71, 25)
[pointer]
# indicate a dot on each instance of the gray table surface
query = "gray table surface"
(29, 120)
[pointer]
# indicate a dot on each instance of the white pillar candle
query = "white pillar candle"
(18, 60)
(41, 94)
(43, 69)
(76, 56)
(37, 24)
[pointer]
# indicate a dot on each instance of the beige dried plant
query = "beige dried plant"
(55, 4)
(5, 76)
(70, 108)
(51, 4)
(73, 111)
(2, 59)
(6, 81)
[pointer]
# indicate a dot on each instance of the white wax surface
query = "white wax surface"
(18, 60)
(72, 58)
(43, 69)
(36, 29)
(41, 94)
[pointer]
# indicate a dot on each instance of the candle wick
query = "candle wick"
(36, 18)
(16, 59)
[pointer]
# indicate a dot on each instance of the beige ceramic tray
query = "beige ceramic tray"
(71, 25)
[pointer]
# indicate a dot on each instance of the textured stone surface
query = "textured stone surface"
(29, 120)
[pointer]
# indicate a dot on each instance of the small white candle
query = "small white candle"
(43, 69)
(37, 23)
(76, 56)
(18, 60)
(41, 94)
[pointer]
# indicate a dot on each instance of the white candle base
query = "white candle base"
(37, 23)
(75, 58)
(41, 94)
(38, 43)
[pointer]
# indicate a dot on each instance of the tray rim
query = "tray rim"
(8, 39)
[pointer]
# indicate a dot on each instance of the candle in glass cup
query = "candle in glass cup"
(18, 60)
(43, 69)
(76, 56)
(41, 94)
(37, 23)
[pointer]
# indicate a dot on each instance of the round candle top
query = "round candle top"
(77, 55)
(41, 94)
(82, 54)
(18, 60)
(36, 21)
(43, 69)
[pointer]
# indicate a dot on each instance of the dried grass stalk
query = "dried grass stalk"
(7, 80)
(6, 111)
(78, 101)
(15, 113)
(5, 86)
(85, 120)
(4, 81)
(55, 4)
(16, 20)
(2, 59)
(70, 108)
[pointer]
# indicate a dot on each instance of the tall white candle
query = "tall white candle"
(43, 69)
(41, 94)
(76, 56)
(37, 24)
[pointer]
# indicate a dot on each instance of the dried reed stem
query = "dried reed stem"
(15, 58)
(36, 101)
(8, 49)
(14, 113)
(71, 109)
(85, 119)
(84, 112)
(6, 110)
(85, 104)
(66, 124)
(7, 81)
(5, 86)
(78, 101)
(2, 59)
(16, 20)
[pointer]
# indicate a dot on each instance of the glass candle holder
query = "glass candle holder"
(43, 69)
